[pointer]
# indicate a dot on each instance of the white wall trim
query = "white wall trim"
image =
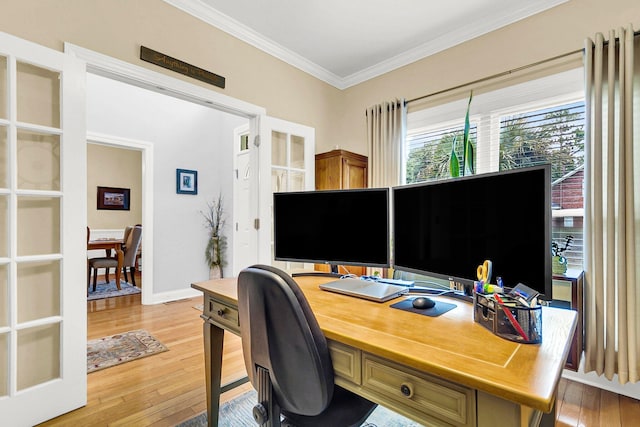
(147, 202)
(169, 296)
(457, 35)
(116, 69)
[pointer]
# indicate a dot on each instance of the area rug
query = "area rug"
(238, 413)
(108, 290)
(116, 349)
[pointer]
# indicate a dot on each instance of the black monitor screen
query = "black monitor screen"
(447, 228)
(334, 227)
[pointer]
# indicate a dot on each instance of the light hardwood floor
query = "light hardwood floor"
(168, 388)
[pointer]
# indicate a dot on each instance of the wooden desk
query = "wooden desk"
(108, 245)
(435, 370)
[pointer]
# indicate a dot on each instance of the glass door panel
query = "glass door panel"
(278, 149)
(296, 181)
(38, 355)
(4, 288)
(4, 365)
(38, 217)
(279, 180)
(38, 161)
(297, 152)
(4, 226)
(38, 290)
(3, 87)
(4, 158)
(38, 95)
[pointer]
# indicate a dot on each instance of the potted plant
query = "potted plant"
(558, 260)
(467, 149)
(217, 244)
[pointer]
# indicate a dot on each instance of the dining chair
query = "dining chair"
(287, 356)
(132, 241)
(136, 264)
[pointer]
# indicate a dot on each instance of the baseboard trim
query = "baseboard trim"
(162, 297)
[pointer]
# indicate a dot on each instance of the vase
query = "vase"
(215, 272)
(558, 265)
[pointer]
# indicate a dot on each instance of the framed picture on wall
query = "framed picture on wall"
(186, 181)
(112, 198)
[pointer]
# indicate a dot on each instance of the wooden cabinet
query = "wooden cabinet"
(567, 293)
(339, 170)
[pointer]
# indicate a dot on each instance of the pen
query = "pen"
(512, 319)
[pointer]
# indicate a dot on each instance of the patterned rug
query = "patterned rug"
(116, 349)
(107, 290)
(238, 413)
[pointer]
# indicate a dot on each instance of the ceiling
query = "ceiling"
(346, 42)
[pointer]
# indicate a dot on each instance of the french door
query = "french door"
(42, 233)
(287, 163)
(280, 158)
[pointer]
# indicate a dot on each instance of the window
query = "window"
(541, 121)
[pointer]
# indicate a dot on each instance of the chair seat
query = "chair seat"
(345, 410)
(103, 262)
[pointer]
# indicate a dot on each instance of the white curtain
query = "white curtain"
(386, 130)
(612, 205)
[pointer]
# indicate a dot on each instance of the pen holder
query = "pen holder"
(509, 320)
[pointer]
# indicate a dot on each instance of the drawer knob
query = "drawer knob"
(406, 390)
(222, 312)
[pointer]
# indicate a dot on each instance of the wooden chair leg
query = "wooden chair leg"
(106, 274)
(124, 270)
(95, 278)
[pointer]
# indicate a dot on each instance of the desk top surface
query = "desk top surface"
(451, 346)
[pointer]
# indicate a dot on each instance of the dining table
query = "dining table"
(109, 245)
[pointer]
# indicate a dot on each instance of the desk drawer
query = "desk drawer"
(436, 401)
(346, 362)
(223, 314)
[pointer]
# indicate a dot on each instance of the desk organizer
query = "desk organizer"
(511, 320)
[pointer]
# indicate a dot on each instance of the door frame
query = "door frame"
(146, 149)
(125, 72)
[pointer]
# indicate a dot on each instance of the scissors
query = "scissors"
(484, 272)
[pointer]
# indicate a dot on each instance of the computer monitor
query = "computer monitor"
(333, 227)
(447, 228)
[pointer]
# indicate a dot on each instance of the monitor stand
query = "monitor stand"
(332, 273)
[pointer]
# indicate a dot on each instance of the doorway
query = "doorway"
(122, 163)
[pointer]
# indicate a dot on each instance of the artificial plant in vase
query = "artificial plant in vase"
(558, 260)
(467, 149)
(217, 244)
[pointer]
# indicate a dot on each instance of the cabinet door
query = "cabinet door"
(354, 173)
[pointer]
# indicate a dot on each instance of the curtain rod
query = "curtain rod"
(505, 73)
(494, 76)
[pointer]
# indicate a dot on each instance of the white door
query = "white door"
(42, 233)
(286, 163)
(242, 216)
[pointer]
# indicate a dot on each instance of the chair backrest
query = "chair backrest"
(132, 240)
(281, 334)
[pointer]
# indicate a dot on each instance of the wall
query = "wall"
(119, 27)
(551, 33)
(184, 136)
(113, 167)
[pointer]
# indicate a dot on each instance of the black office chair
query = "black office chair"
(287, 357)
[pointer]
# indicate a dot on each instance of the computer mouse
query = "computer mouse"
(423, 302)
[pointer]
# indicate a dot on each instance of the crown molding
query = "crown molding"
(462, 34)
(229, 25)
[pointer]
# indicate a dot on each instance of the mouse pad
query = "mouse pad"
(436, 310)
